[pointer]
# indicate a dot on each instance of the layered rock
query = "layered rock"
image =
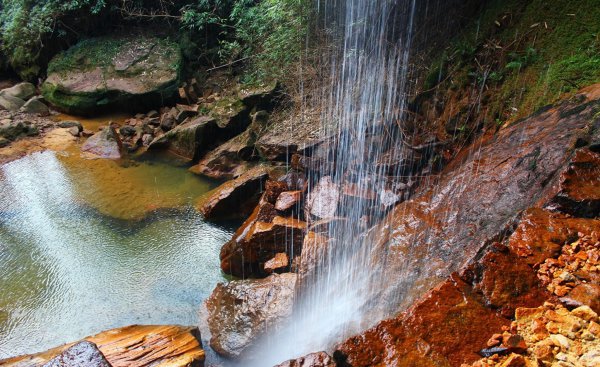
(136, 345)
(234, 198)
(239, 312)
(189, 139)
(128, 73)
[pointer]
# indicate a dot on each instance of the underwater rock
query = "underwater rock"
(82, 354)
(188, 140)
(104, 144)
(131, 73)
(239, 312)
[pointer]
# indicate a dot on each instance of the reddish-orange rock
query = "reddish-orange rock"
(279, 263)
(579, 186)
(136, 345)
(584, 294)
(319, 359)
(445, 328)
(505, 281)
(541, 234)
(287, 200)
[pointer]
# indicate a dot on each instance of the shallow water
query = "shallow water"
(82, 248)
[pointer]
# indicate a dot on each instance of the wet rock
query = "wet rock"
(167, 121)
(188, 140)
(541, 234)
(35, 106)
(239, 312)
(235, 198)
(442, 229)
(445, 328)
(584, 295)
(579, 192)
(256, 242)
(104, 144)
(505, 281)
(82, 354)
(139, 72)
(287, 200)
(322, 202)
(277, 264)
(319, 359)
(22, 91)
(10, 103)
(285, 137)
(136, 345)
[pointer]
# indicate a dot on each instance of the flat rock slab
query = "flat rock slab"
(131, 346)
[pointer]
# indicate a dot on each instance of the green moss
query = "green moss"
(527, 53)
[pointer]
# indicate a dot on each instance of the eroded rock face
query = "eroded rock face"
(82, 354)
(234, 198)
(239, 312)
(227, 161)
(478, 195)
(127, 73)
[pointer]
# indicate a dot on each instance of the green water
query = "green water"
(73, 262)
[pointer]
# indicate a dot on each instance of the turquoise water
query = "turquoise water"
(68, 270)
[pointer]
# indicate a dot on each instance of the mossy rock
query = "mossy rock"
(116, 73)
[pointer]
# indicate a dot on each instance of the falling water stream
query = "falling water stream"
(361, 102)
(85, 248)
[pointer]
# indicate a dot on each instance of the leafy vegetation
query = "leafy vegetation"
(262, 34)
(522, 55)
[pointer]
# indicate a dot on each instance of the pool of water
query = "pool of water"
(88, 245)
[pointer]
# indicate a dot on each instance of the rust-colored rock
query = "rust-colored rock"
(579, 186)
(446, 328)
(287, 200)
(136, 345)
(189, 139)
(228, 161)
(256, 242)
(541, 234)
(584, 294)
(476, 198)
(277, 264)
(235, 198)
(239, 312)
(505, 281)
(319, 359)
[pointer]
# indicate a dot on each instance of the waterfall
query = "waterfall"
(362, 100)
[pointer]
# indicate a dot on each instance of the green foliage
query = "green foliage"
(25, 25)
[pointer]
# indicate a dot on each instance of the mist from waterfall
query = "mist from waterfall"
(361, 103)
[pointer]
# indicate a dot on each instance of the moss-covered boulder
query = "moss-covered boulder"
(117, 73)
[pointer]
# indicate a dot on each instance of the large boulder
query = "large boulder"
(189, 139)
(235, 198)
(104, 144)
(35, 106)
(22, 91)
(240, 312)
(11, 103)
(127, 73)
